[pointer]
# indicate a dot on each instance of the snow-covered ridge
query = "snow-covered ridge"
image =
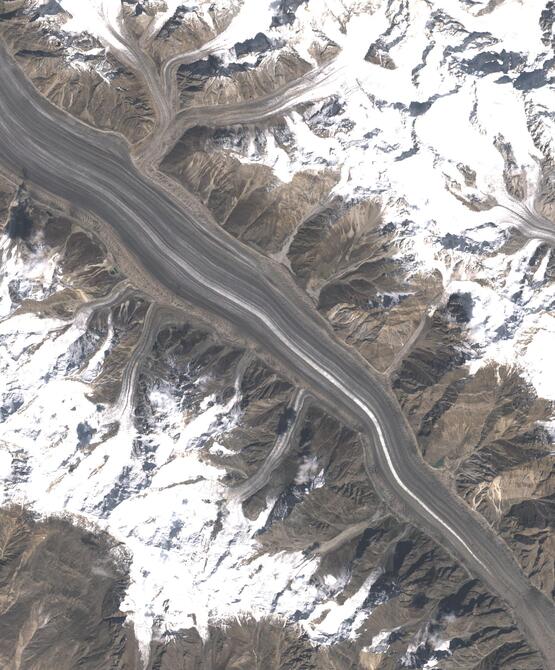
(448, 126)
(194, 556)
(439, 113)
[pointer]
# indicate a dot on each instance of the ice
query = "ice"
(379, 642)
(100, 18)
(329, 620)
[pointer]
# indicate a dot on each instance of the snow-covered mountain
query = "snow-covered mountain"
(396, 157)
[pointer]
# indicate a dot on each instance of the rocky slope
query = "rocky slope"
(137, 422)
(396, 158)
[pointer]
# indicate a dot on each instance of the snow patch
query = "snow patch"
(331, 620)
(195, 559)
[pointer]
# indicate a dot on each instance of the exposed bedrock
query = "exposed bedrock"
(76, 73)
(61, 589)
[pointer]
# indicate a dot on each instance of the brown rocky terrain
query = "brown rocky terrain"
(186, 30)
(341, 253)
(473, 427)
(322, 504)
(60, 589)
(278, 451)
(485, 433)
(247, 200)
(76, 73)
(61, 586)
(480, 430)
(210, 82)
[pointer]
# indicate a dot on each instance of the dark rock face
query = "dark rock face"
(285, 12)
(174, 22)
(284, 505)
(377, 54)
(210, 67)
(121, 490)
(489, 62)
(84, 433)
(19, 223)
(49, 8)
(462, 243)
(547, 18)
(426, 366)
(459, 307)
(527, 81)
(10, 405)
(285, 419)
(430, 419)
(257, 44)
(418, 108)
(327, 114)
(535, 514)
(38, 53)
